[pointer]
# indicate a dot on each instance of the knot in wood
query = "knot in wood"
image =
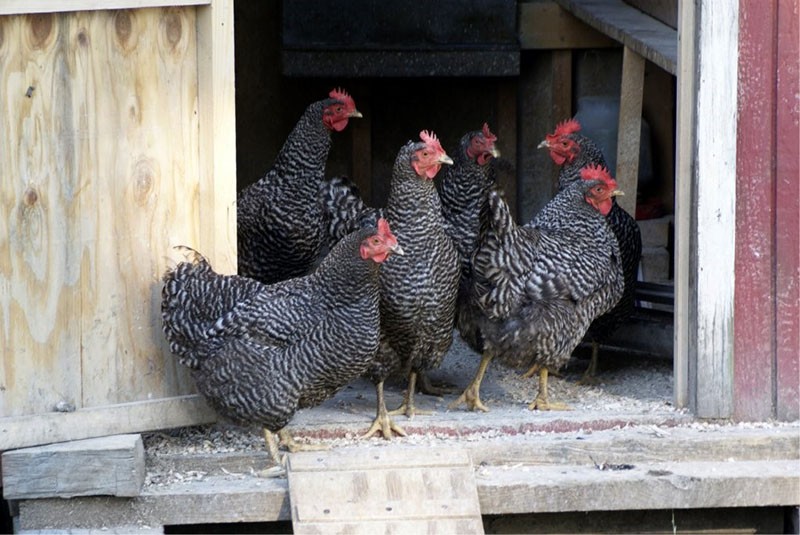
(123, 27)
(30, 197)
(41, 25)
(173, 28)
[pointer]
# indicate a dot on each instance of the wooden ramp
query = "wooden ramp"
(386, 490)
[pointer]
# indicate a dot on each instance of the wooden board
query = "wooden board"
(112, 466)
(105, 171)
(650, 38)
(389, 491)
(544, 25)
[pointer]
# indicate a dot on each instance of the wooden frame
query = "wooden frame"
(112, 391)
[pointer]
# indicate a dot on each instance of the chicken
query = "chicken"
(278, 218)
(573, 151)
(418, 290)
(536, 288)
(463, 189)
(260, 352)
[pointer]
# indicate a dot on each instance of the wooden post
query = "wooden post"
(705, 214)
(630, 127)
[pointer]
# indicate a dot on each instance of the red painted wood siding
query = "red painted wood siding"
(787, 216)
(767, 334)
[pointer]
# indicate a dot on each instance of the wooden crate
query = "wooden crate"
(118, 143)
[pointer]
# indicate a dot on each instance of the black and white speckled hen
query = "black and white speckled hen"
(260, 352)
(573, 151)
(418, 289)
(463, 188)
(536, 288)
(279, 230)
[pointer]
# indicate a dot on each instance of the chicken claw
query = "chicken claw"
(472, 394)
(383, 422)
(408, 407)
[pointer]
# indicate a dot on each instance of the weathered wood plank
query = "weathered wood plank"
(712, 272)
(651, 486)
(24, 431)
(650, 38)
(754, 312)
(510, 489)
(684, 225)
(365, 490)
(544, 25)
(787, 171)
(630, 125)
(23, 7)
(40, 197)
(506, 131)
(217, 123)
(112, 466)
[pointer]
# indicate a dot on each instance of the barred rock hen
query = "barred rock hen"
(418, 290)
(463, 189)
(573, 151)
(259, 352)
(278, 217)
(536, 288)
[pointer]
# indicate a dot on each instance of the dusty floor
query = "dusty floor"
(632, 390)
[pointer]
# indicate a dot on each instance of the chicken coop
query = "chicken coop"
(128, 127)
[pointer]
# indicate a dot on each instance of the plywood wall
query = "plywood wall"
(99, 179)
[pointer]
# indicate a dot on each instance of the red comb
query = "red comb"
(488, 133)
(341, 94)
(569, 126)
(430, 139)
(598, 172)
(383, 227)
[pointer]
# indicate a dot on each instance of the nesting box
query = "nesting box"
(117, 145)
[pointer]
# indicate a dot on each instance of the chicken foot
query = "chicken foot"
(472, 394)
(408, 407)
(542, 401)
(383, 422)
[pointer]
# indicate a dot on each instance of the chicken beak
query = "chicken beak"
(444, 158)
(617, 193)
(495, 153)
(355, 114)
(396, 249)
(543, 145)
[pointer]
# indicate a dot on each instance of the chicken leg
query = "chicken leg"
(427, 387)
(383, 422)
(589, 376)
(472, 394)
(542, 401)
(408, 407)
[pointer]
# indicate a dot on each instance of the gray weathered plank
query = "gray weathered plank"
(406, 489)
(650, 38)
(630, 124)
(111, 466)
(24, 431)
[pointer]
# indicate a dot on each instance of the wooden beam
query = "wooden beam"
(787, 212)
(711, 210)
(685, 296)
(507, 133)
(26, 7)
(630, 128)
(544, 25)
(754, 321)
(650, 38)
(217, 122)
(24, 431)
(107, 466)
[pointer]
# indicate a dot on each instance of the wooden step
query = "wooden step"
(398, 490)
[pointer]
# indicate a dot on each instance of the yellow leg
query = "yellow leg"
(293, 447)
(542, 401)
(589, 376)
(408, 407)
(472, 394)
(383, 422)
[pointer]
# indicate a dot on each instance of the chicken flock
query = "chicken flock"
(331, 289)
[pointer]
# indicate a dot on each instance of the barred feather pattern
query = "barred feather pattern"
(537, 287)
(462, 191)
(343, 209)
(626, 231)
(418, 289)
(278, 217)
(259, 352)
